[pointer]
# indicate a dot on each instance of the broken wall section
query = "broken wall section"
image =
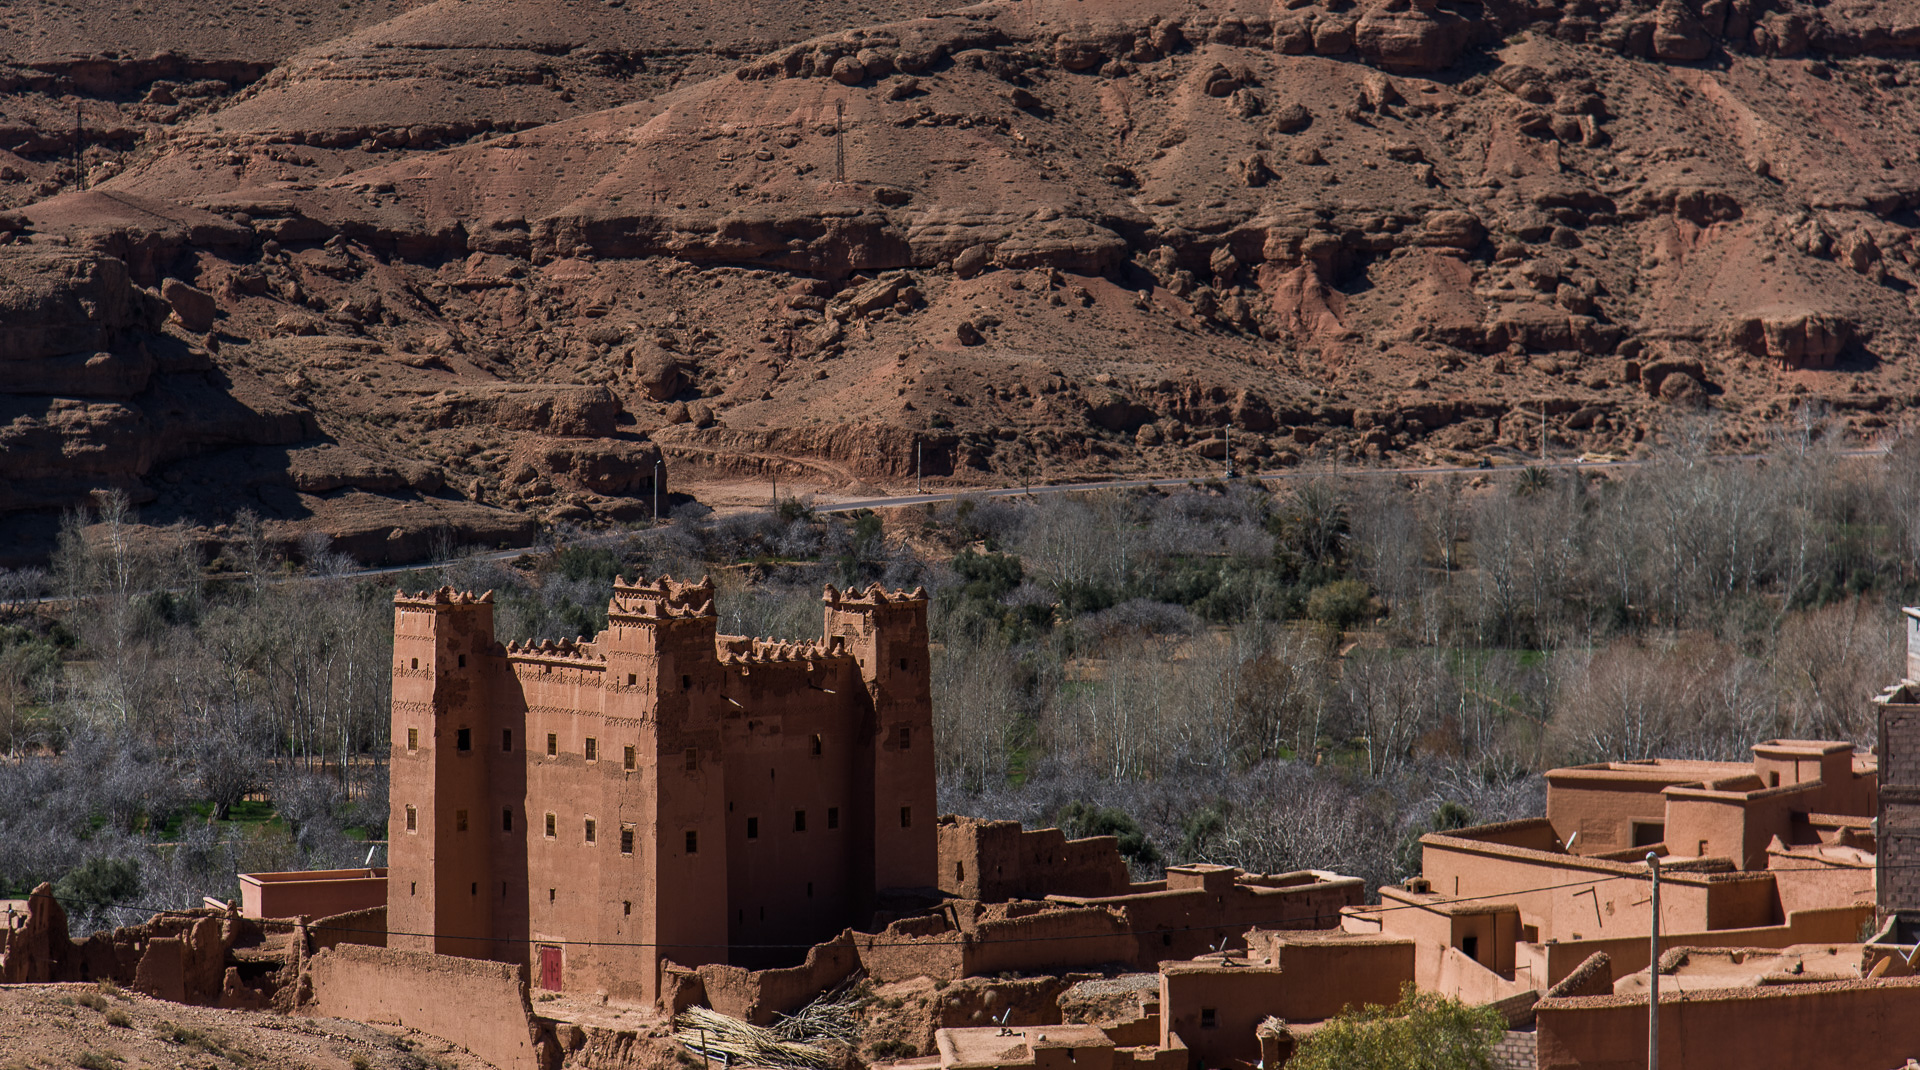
(481, 1006)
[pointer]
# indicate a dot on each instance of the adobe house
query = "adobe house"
(595, 808)
(1727, 809)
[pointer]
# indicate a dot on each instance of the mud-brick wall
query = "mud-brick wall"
(1789, 1027)
(481, 1006)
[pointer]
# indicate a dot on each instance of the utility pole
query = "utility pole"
(917, 467)
(839, 141)
(1653, 972)
(656, 492)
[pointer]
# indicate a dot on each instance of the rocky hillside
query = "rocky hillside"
(480, 264)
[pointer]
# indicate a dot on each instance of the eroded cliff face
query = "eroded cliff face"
(485, 263)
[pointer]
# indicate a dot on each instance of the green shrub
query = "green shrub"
(98, 883)
(1340, 604)
(1421, 1032)
(1079, 820)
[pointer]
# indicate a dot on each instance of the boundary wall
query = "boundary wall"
(1784, 1027)
(1833, 925)
(481, 1006)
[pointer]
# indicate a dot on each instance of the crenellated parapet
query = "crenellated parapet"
(443, 598)
(663, 599)
(874, 597)
(571, 650)
(757, 650)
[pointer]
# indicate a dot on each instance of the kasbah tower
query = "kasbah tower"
(662, 792)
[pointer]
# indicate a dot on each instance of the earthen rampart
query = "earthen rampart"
(481, 1006)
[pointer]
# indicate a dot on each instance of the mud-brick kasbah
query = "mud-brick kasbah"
(589, 837)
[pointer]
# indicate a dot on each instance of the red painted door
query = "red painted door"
(550, 968)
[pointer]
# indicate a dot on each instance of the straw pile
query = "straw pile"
(734, 1043)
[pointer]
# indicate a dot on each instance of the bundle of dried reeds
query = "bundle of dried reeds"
(735, 1043)
(829, 1019)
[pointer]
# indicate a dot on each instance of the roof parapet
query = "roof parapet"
(874, 596)
(663, 599)
(445, 596)
(557, 649)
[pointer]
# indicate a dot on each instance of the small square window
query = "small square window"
(693, 842)
(506, 739)
(506, 820)
(550, 826)
(903, 664)
(799, 821)
(818, 746)
(416, 663)
(626, 839)
(833, 817)
(553, 745)
(413, 820)
(1209, 1018)
(593, 749)
(693, 760)
(753, 828)
(626, 907)
(686, 683)
(906, 736)
(590, 830)
(413, 739)
(459, 821)
(633, 679)
(906, 817)
(463, 661)
(463, 739)
(628, 760)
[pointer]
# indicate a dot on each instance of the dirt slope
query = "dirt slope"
(79, 1025)
(481, 265)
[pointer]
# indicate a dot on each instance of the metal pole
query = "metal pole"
(918, 469)
(1653, 973)
(656, 492)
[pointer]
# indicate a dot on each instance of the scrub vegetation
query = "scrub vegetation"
(1309, 673)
